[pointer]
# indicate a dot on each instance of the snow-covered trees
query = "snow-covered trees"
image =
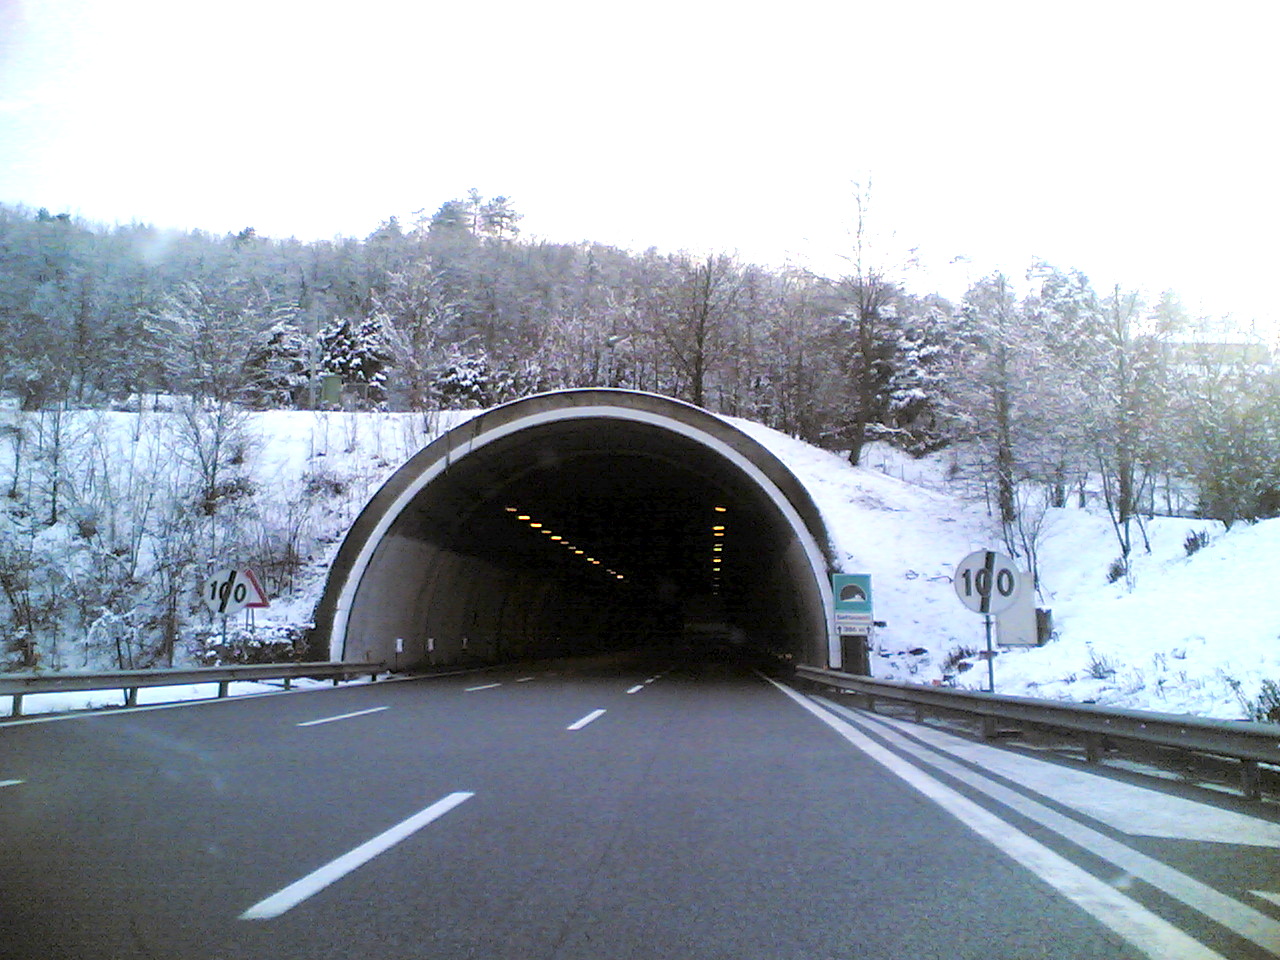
(357, 352)
(991, 380)
(276, 367)
(1224, 411)
(417, 319)
(691, 323)
(457, 306)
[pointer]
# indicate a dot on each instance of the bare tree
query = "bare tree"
(1127, 368)
(868, 296)
(694, 326)
(418, 319)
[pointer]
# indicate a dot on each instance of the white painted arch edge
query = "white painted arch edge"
(813, 552)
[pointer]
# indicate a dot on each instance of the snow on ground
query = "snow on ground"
(1191, 634)
(907, 537)
(42, 703)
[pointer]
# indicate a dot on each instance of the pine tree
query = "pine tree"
(358, 354)
(276, 367)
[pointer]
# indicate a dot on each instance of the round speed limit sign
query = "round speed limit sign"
(987, 582)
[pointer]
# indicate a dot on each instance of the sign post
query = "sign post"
(987, 583)
(231, 590)
(851, 595)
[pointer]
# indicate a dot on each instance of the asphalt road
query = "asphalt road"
(703, 814)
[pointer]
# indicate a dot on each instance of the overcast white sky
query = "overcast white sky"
(1133, 140)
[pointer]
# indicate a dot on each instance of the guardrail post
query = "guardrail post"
(222, 687)
(288, 683)
(131, 696)
(1250, 780)
(17, 705)
(990, 729)
(1092, 747)
(919, 713)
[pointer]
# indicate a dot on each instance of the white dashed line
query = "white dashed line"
(637, 688)
(579, 724)
(10, 783)
(342, 716)
(314, 882)
(485, 686)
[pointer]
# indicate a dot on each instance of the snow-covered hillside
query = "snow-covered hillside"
(1196, 634)
(1189, 633)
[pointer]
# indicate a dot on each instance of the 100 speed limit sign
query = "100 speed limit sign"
(987, 582)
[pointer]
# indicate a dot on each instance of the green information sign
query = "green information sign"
(851, 593)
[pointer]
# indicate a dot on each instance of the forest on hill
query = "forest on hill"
(1050, 386)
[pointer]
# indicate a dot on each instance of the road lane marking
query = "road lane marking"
(342, 716)
(1267, 895)
(1232, 914)
(1129, 808)
(579, 724)
(10, 783)
(637, 688)
(1147, 932)
(526, 679)
(484, 686)
(317, 880)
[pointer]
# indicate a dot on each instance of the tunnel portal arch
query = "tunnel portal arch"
(580, 521)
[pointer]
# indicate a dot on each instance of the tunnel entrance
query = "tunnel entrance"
(582, 521)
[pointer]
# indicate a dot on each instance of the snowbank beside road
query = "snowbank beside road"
(1187, 633)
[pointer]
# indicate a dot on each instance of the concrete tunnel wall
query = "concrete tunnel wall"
(432, 562)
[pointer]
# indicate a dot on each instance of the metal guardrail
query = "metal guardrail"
(1249, 743)
(19, 685)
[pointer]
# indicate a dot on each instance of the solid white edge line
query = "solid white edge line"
(485, 686)
(11, 783)
(637, 688)
(1142, 929)
(1237, 917)
(317, 880)
(342, 716)
(579, 724)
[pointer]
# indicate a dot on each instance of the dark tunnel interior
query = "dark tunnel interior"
(581, 536)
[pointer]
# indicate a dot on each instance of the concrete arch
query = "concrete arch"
(691, 526)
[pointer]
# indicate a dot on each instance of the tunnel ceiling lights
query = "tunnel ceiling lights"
(717, 547)
(558, 538)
